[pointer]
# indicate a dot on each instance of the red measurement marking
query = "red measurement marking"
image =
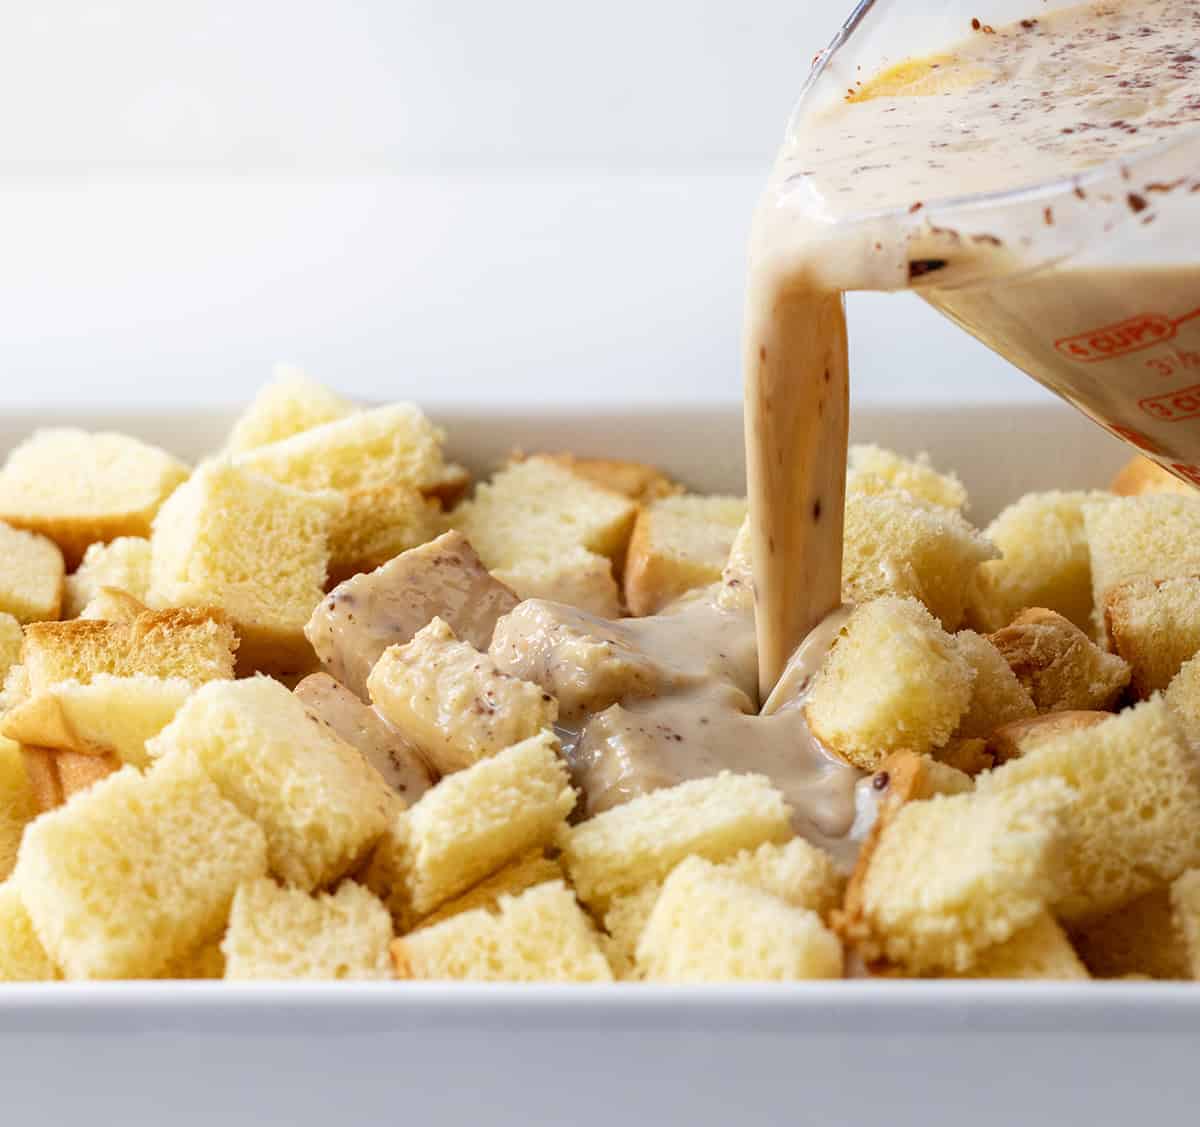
(1189, 473)
(1141, 441)
(1110, 341)
(1173, 406)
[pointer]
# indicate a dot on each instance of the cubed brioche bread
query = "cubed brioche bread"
(18, 804)
(196, 645)
(679, 543)
(1040, 951)
(41, 769)
(361, 617)
(449, 487)
(708, 926)
(1011, 741)
(320, 804)
(452, 703)
(202, 963)
(540, 936)
(1135, 814)
(631, 845)
(123, 564)
(624, 921)
(576, 577)
(1058, 664)
(1153, 536)
(289, 404)
(1044, 562)
(635, 480)
(1185, 899)
(112, 605)
(1183, 697)
(78, 773)
(1142, 475)
(997, 697)
(137, 871)
(470, 826)
(22, 956)
(254, 548)
(107, 716)
(737, 577)
(872, 469)
(897, 546)
(78, 488)
(1155, 626)
(377, 525)
(31, 575)
(531, 869)
(894, 679)
(967, 754)
(12, 638)
(284, 933)
(1141, 938)
(952, 876)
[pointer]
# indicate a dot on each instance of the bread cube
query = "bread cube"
(284, 933)
(196, 645)
(1011, 741)
(112, 605)
(470, 826)
(18, 804)
(1142, 475)
(896, 546)
(1185, 899)
(640, 841)
(969, 755)
(1183, 695)
(445, 579)
(1039, 951)
(123, 564)
(707, 926)
(78, 773)
(624, 920)
(45, 784)
(363, 728)
(12, 639)
(31, 575)
(736, 592)
(1155, 626)
(997, 697)
(320, 804)
(255, 549)
(289, 404)
(1154, 536)
(107, 716)
(635, 480)
(139, 870)
(78, 488)
(1044, 562)
(679, 543)
(531, 869)
(540, 936)
(22, 957)
(872, 469)
(1058, 664)
(203, 963)
(576, 578)
(1141, 938)
(894, 679)
(1135, 817)
(953, 875)
(452, 703)
(377, 525)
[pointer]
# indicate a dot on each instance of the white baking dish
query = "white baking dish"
(822, 1053)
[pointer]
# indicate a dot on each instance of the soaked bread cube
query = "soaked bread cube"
(1185, 899)
(122, 564)
(451, 701)
(708, 926)
(896, 546)
(532, 869)
(540, 936)
(1044, 562)
(1135, 816)
(31, 576)
(1058, 664)
(736, 592)
(635, 480)
(286, 934)
(22, 956)
(872, 469)
(952, 876)
(320, 804)
(136, 872)
(196, 645)
(1155, 626)
(679, 543)
(1141, 938)
(894, 679)
(289, 404)
(997, 697)
(365, 615)
(640, 841)
(1039, 951)
(78, 488)
(1011, 741)
(470, 826)
(1142, 475)
(107, 716)
(18, 804)
(254, 548)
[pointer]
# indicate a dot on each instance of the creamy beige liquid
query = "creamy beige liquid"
(1047, 98)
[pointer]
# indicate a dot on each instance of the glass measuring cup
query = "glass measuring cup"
(1089, 283)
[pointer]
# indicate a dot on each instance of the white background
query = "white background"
(458, 200)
